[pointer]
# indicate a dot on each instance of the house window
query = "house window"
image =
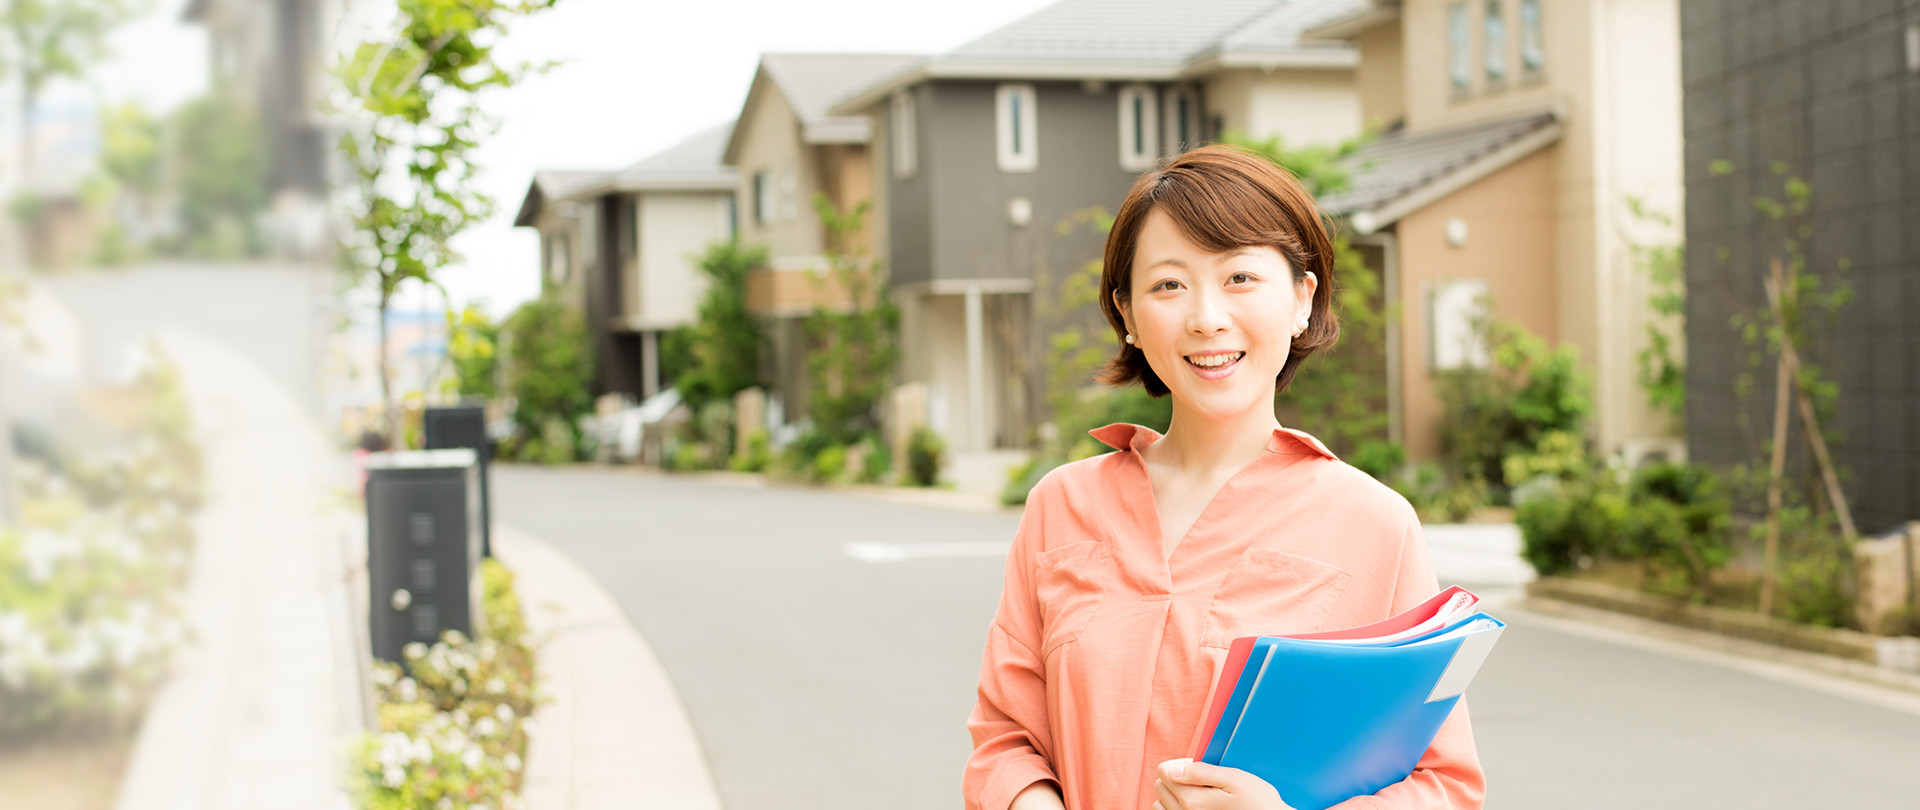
(1139, 127)
(762, 199)
(1494, 28)
(1017, 128)
(1453, 309)
(1459, 49)
(904, 135)
(1183, 120)
(1533, 51)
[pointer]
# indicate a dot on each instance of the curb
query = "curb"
(1857, 656)
(612, 731)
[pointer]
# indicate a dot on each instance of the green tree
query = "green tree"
(549, 374)
(52, 39)
(1344, 386)
(718, 355)
(220, 171)
(472, 349)
(416, 95)
(850, 364)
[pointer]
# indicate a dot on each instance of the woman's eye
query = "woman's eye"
(1162, 284)
(1249, 278)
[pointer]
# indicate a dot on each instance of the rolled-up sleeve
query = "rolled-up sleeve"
(1449, 774)
(1012, 741)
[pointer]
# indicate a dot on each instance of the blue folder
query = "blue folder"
(1326, 721)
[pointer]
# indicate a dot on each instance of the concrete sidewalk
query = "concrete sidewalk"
(614, 733)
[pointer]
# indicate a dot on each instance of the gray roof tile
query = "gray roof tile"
(1397, 164)
(693, 163)
(814, 82)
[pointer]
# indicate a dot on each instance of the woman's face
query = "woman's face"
(1215, 327)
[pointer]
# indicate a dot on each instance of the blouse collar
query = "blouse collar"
(1284, 441)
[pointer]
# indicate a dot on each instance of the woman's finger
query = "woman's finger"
(1168, 801)
(1199, 774)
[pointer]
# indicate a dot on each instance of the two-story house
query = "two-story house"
(1528, 132)
(787, 149)
(996, 152)
(623, 244)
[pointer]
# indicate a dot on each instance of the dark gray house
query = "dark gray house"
(1831, 93)
(997, 153)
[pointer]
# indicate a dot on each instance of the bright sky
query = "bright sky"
(637, 77)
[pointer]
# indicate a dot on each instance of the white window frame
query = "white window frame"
(1459, 47)
(1453, 305)
(1171, 107)
(1493, 41)
(903, 129)
(789, 195)
(764, 205)
(1533, 39)
(1139, 127)
(1011, 102)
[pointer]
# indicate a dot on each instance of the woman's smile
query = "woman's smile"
(1215, 365)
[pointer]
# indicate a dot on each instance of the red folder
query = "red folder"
(1237, 654)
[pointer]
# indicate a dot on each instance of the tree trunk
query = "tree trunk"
(386, 371)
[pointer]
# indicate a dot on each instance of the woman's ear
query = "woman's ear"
(1126, 312)
(1307, 285)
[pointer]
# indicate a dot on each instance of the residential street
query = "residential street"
(817, 678)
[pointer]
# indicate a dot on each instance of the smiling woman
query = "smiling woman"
(1132, 573)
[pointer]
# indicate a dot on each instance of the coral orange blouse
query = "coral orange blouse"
(1104, 652)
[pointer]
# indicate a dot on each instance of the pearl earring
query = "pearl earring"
(1129, 338)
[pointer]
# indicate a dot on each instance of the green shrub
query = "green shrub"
(756, 456)
(713, 428)
(829, 464)
(1436, 497)
(1816, 575)
(1379, 459)
(452, 721)
(1532, 390)
(1581, 519)
(876, 460)
(926, 453)
(1677, 527)
(1022, 478)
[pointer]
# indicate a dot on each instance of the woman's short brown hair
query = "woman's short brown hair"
(1221, 197)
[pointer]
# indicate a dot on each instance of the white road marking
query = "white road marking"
(896, 552)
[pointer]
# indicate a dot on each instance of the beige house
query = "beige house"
(623, 246)
(1519, 132)
(786, 148)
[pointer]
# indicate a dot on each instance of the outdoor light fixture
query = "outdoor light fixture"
(1456, 232)
(1019, 212)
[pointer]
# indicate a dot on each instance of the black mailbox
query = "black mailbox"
(423, 547)
(457, 426)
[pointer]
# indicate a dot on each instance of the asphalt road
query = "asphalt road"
(816, 679)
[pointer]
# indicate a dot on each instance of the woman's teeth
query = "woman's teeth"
(1216, 360)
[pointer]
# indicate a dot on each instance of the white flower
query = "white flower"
(408, 690)
(413, 650)
(497, 687)
(486, 727)
(513, 762)
(393, 777)
(460, 717)
(504, 712)
(445, 803)
(471, 758)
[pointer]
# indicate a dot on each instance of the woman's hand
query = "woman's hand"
(1188, 785)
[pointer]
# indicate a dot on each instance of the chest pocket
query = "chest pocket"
(1270, 592)
(1069, 581)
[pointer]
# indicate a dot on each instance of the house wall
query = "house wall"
(1510, 244)
(675, 229)
(1824, 88)
(771, 143)
(1610, 68)
(1380, 77)
(1303, 107)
